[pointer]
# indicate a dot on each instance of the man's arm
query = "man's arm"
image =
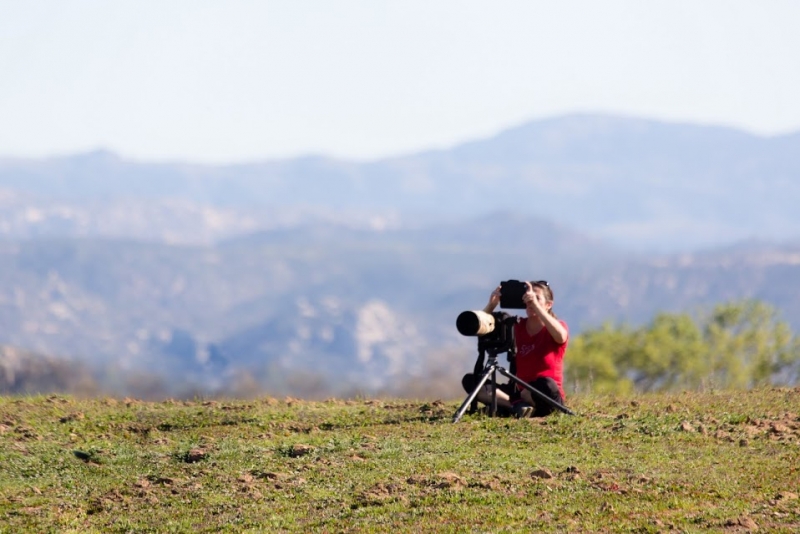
(533, 303)
(494, 300)
(554, 326)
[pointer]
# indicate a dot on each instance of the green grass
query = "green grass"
(724, 461)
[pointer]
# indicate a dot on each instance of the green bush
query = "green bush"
(736, 345)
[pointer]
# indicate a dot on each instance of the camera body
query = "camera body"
(511, 293)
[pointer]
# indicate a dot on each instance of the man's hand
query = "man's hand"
(494, 300)
(534, 301)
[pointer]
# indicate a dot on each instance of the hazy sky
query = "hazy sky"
(229, 80)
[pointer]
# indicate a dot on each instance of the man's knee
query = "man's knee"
(549, 387)
(469, 382)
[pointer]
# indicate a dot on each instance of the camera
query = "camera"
(511, 293)
(495, 330)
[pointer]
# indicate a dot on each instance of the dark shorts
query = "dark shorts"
(544, 385)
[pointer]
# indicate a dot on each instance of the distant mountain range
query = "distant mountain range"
(323, 276)
(639, 184)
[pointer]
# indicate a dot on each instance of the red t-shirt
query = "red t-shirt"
(539, 354)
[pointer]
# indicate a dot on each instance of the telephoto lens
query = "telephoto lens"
(475, 323)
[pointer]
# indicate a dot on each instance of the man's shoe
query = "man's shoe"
(523, 410)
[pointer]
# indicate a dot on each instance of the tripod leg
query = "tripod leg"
(486, 375)
(535, 392)
(493, 410)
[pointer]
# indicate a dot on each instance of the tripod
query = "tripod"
(490, 371)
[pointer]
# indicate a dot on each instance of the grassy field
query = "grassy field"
(720, 462)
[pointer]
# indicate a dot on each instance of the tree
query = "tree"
(748, 345)
(737, 345)
(668, 354)
(592, 360)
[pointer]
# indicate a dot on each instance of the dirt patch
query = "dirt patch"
(194, 455)
(741, 524)
(379, 495)
(299, 450)
(783, 429)
(542, 473)
(74, 416)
